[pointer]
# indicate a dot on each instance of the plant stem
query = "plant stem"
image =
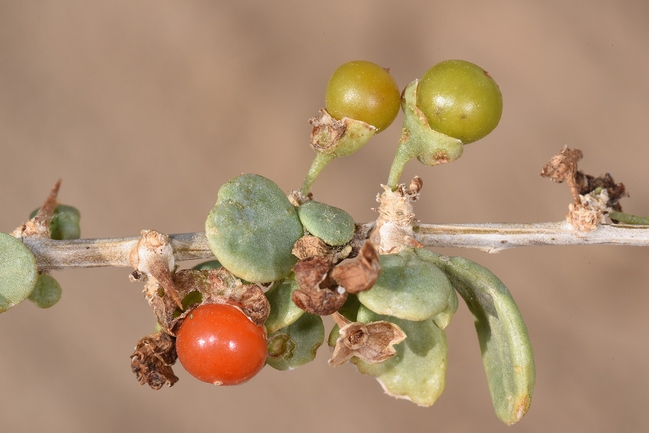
(319, 162)
(88, 253)
(496, 237)
(405, 153)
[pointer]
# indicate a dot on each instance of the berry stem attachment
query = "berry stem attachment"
(319, 162)
(419, 140)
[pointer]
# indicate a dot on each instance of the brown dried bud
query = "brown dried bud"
(318, 293)
(152, 360)
(360, 273)
(371, 342)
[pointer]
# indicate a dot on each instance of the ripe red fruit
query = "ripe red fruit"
(218, 344)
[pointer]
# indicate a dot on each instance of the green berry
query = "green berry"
(460, 99)
(363, 91)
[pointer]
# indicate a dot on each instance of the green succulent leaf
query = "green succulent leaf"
(18, 272)
(65, 222)
(418, 370)
(283, 311)
(210, 264)
(297, 344)
(331, 224)
(506, 349)
(252, 228)
(409, 287)
(46, 293)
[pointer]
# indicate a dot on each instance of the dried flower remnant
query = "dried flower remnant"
(371, 342)
(360, 273)
(593, 197)
(563, 168)
(587, 184)
(318, 293)
(152, 360)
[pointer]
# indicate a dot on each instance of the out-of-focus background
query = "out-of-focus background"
(145, 108)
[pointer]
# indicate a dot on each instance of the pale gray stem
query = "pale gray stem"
(88, 253)
(495, 237)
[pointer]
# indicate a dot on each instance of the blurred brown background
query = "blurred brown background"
(145, 108)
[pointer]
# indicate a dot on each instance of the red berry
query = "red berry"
(218, 344)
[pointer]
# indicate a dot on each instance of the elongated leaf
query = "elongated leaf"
(506, 349)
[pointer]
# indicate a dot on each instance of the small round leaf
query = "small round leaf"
(46, 293)
(331, 224)
(18, 272)
(252, 228)
(409, 288)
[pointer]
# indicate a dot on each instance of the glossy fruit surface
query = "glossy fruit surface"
(218, 344)
(363, 91)
(460, 99)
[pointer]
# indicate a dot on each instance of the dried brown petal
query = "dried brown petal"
(318, 293)
(152, 360)
(372, 342)
(360, 273)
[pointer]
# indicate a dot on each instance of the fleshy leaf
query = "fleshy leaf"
(408, 288)
(506, 349)
(296, 344)
(331, 224)
(46, 293)
(210, 264)
(283, 311)
(252, 228)
(18, 272)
